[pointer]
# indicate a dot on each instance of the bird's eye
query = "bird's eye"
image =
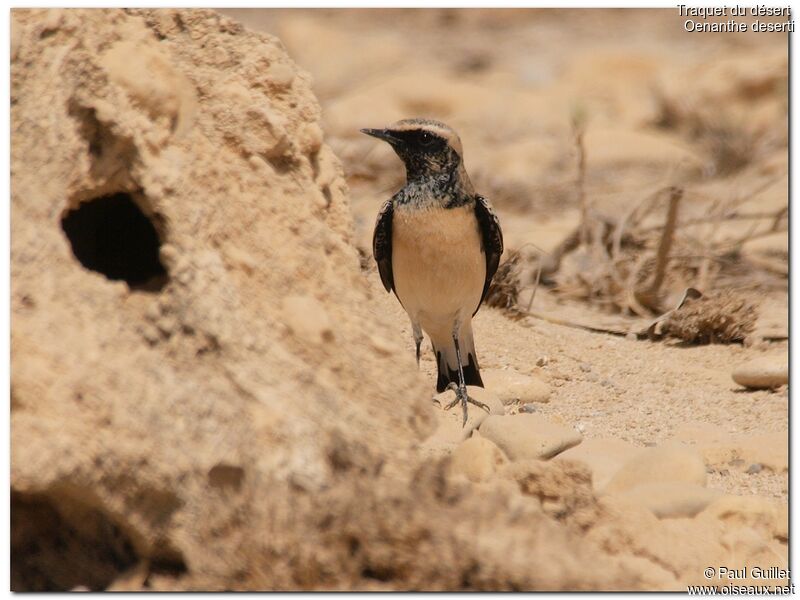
(426, 139)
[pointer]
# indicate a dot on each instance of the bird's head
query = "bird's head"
(428, 148)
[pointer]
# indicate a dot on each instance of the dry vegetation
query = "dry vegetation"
(634, 266)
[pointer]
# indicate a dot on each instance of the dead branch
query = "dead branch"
(778, 217)
(578, 129)
(535, 286)
(650, 296)
(775, 217)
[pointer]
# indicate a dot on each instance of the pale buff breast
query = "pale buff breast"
(438, 265)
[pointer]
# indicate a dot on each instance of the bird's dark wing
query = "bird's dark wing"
(492, 238)
(382, 245)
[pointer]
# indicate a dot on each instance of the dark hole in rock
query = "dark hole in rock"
(54, 552)
(111, 235)
(226, 476)
(168, 562)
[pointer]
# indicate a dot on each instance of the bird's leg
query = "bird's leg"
(417, 338)
(461, 389)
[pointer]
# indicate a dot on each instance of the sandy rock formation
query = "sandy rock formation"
(173, 209)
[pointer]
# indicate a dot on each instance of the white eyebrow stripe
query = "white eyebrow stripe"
(441, 130)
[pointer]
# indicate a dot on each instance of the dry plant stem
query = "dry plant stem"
(731, 206)
(751, 235)
(616, 248)
(580, 181)
(535, 287)
(667, 237)
(746, 197)
(773, 266)
(632, 297)
(705, 264)
(574, 325)
(567, 245)
(649, 296)
(775, 217)
(778, 216)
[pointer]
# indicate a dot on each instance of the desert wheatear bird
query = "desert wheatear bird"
(437, 244)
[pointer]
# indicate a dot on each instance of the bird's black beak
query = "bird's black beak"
(382, 134)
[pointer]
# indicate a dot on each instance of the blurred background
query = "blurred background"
(575, 118)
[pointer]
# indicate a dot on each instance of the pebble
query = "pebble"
(150, 333)
(765, 372)
(604, 457)
(660, 465)
(754, 468)
(310, 138)
(529, 436)
(451, 428)
(257, 162)
(168, 253)
(671, 499)
(477, 459)
(512, 386)
(527, 408)
(52, 20)
(280, 75)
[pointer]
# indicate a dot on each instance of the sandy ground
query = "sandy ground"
(508, 81)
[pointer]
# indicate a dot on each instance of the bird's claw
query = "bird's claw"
(463, 397)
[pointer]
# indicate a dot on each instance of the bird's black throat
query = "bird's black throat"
(426, 190)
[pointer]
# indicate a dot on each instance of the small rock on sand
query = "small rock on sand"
(671, 499)
(450, 422)
(766, 372)
(604, 457)
(512, 386)
(477, 459)
(529, 436)
(660, 465)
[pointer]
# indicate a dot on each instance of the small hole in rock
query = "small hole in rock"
(226, 476)
(111, 235)
(60, 545)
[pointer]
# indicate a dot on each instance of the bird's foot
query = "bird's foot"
(463, 397)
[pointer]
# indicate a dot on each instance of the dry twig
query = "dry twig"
(650, 296)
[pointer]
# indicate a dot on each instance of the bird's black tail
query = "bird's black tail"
(472, 374)
(447, 363)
